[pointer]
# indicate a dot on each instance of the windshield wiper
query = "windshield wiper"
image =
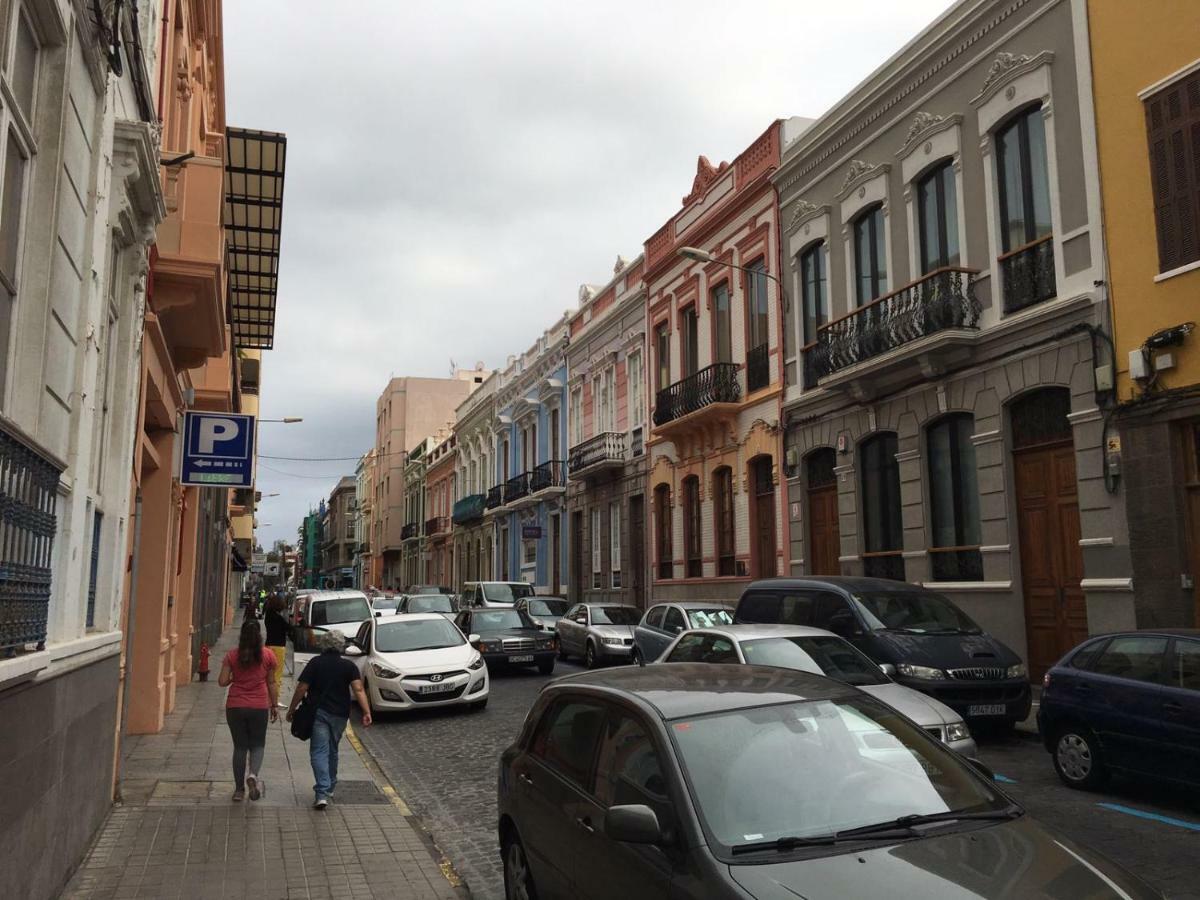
(907, 823)
(787, 843)
(430, 647)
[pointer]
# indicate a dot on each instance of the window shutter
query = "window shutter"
(1173, 131)
(614, 533)
(596, 540)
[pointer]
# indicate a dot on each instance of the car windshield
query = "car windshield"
(339, 610)
(615, 615)
(428, 589)
(555, 608)
(920, 613)
(814, 768)
(383, 603)
(423, 634)
(430, 603)
(709, 618)
(497, 620)
(829, 656)
(506, 593)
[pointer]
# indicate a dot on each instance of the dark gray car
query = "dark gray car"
(666, 621)
(697, 781)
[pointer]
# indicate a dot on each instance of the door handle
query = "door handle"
(586, 824)
(525, 778)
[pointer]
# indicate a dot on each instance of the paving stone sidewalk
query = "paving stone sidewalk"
(177, 834)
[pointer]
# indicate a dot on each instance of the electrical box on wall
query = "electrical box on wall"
(1139, 364)
(1164, 361)
(1104, 378)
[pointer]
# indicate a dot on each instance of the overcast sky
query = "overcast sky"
(456, 170)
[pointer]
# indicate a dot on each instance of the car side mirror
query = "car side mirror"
(632, 824)
(888, 669)
(353, 650)
(982, 768)
(473, 640)
(379, 614)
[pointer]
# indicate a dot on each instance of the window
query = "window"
(813, 290)
(1173, 132)
(1134, 657)
(654, 618)
(689, 334)
(954, 500)
(662, 525)
(758, 317)
(633, 375)
(689, 649)
(502, 552)
(673, 621)
(577, 416)
(566, 738)
(708, 618)
(555, 437)
(94, 568)
(596, 544)
(1185, 665)
(614, 538)
(937, 209)
(723, 514)
(691, 526)
(881, 507)
(628, 769)
(662, 344)
(1027, 262)
(705, 648)
(722, 324)
(770, 608)
(599, 404)
(108, 339)
(870, 256)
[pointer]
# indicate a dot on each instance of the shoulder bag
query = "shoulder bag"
(305, 715)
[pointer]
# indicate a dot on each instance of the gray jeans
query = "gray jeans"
(248, 728)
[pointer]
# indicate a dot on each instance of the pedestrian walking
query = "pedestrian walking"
(277, 631)
(331, 682)
(248, 673)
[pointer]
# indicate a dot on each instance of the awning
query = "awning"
(254, 163)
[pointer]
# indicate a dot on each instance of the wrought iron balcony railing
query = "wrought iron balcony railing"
(637, 442)
(28, 497)
(516, 487)
(495, 497)
(1028, 274)
(607, 447)
(410, 530)
(550, 474)
(436, 525)
(758, 368)
(468, 509)
(940, 300)
(717, 383)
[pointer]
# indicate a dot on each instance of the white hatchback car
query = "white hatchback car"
(418, 660)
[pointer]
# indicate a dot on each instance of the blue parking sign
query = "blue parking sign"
(218, 450)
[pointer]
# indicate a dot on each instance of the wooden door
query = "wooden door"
(1051, 561)
(824, 539)
(764, 518)
(637, 549)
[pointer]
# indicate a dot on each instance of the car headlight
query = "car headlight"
(1018, 671)
(919, 671)
(383, 671)
(489, 645)
(476, 664)
(615, 641)
(547, 644)
(957, 731)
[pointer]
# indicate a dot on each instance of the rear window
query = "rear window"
(426, 603)
(506, 593)
(340, 610)
(1086, 655)
(758, 607)
(709, 618)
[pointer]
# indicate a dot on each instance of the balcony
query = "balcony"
(495, 498)
(516, 488)
(943, 301)
(410, 531)
(468, 509)
(438, 525)
(604, 451)
(711, 390)
(758, 368)
(549, 477)
(1028, 274)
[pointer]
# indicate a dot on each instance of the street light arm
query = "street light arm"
(697, 255)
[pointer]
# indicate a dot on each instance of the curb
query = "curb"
(385, 785)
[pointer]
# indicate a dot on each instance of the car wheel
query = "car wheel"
(546, 667)
(518, 880)
(589, 656)
(1077, 759)
(562, 650)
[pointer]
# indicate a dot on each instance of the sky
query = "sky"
(456, 170)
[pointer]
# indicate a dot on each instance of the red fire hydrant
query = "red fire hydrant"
(203, 669)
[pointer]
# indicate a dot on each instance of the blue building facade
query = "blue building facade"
(527, 502)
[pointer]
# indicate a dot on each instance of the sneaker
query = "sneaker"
(252, 786)
(321, 803)
(239, 796)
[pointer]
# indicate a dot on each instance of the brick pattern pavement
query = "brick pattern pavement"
(177, 833)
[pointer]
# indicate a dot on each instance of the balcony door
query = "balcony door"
(937, 207)
(662, 347)
(1026, 229)
(689, 336)
(555, 436)
(870, 256)
(824, 536)
(722, 324)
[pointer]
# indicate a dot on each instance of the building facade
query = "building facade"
(439, 504)
(474, 537)
(1147, 98)
(412, 535)
(338, 544)
(364, 520)
(607, 416)
(527, 503)
(716, 363)
(944, 418)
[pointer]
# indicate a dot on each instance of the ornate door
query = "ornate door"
(765, 565)
(824, 537)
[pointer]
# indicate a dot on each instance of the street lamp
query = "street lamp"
(288, 420)
(697, 255)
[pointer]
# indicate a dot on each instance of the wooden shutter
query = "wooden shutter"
(614, 534)
(1173, 130)
(596, 541)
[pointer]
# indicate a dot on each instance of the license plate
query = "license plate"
(435, 688)
(987, 709)
(515, 659)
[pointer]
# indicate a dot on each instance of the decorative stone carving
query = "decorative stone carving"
(801, 210)
(619, 264)
(857, 169)
(1002, 64)
(921, 121)
(706, 174)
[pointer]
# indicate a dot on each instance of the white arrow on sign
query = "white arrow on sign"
(202, 463)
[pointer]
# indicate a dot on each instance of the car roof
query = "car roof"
(692, 604)
(409, 617)
(749, 632)
(676, 690)
(1138, 632)
(336, 595)
(591, 604)
(852, 583)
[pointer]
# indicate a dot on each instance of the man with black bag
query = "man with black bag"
(320, 708)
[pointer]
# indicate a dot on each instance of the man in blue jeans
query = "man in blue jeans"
(331, 678)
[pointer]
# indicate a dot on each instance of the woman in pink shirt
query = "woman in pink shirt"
(247, 672)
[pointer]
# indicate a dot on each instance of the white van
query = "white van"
(341, 610)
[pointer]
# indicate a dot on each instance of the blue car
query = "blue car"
(1126, 703)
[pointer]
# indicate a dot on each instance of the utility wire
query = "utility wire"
(298, 475)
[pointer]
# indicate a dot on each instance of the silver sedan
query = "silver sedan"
(599, 632)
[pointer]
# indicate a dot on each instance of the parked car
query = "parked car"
(493, 594)
(821, 653)
(695, 781)
(426, 589)
(381, 605)
(442, 604)
(544, 611)
(663, 623)
(1127, 703)
(599, 632)
(418, 660)
(343, 611)
(933, 645)
(507, 637)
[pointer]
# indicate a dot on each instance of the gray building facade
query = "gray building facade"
(948, 360)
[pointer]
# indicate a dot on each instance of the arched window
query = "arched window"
(722, 494)
(883, 535)
(691, 527)
(937, 208)
(1027, 260)
(662, 530)
(953, 500)
(813, 287)
(870, 255)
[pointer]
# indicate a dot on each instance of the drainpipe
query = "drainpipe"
(137, 541)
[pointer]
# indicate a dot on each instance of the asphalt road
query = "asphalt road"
(443, 763)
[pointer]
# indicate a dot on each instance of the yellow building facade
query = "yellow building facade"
(1146, 85)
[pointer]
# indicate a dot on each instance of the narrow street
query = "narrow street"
(443, 764)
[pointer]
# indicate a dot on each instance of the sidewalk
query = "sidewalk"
(178, 835)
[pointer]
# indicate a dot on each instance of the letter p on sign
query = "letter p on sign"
(214, 431)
